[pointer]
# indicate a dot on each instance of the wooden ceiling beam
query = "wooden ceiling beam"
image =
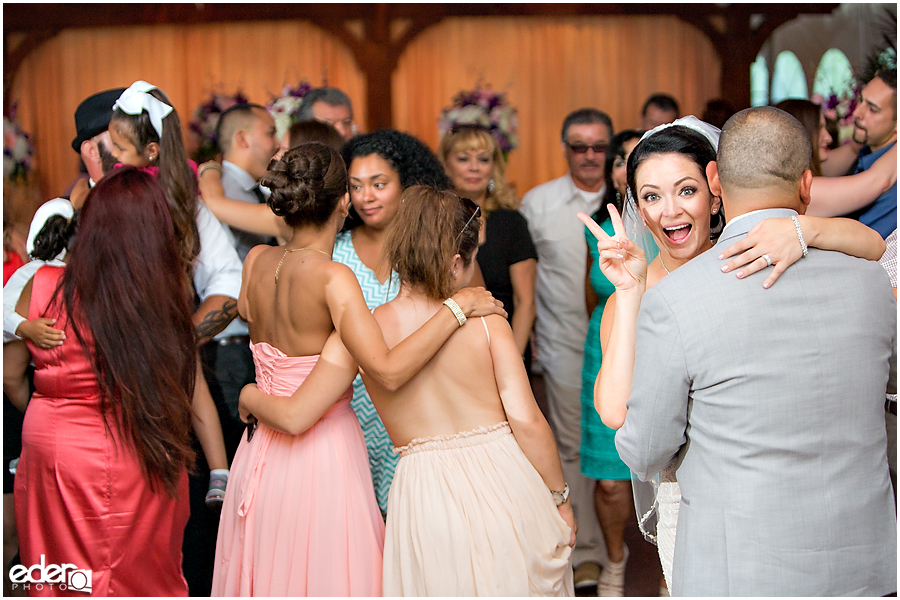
(26, 17)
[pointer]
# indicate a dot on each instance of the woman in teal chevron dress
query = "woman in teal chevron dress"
(599, 458)
(381, 165)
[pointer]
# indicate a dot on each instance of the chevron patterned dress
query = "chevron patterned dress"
(382, 459)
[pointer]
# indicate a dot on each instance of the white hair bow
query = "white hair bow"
(135, 99)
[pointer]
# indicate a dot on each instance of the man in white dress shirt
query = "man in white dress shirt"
(246, 134)
(562, 322)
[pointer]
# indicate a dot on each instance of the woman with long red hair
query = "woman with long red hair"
(102, 480)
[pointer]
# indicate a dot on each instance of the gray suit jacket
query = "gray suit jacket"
(774, 400)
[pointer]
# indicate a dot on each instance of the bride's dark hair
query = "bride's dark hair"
(676, 139)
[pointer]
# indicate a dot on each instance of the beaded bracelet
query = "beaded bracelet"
(456, 310)
(800, 235)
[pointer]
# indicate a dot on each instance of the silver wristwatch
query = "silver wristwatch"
(560, 497)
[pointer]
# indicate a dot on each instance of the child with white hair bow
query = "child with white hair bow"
(146, 133)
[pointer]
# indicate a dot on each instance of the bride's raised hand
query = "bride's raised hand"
(621, 260)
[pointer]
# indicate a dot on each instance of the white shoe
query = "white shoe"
(612, 580)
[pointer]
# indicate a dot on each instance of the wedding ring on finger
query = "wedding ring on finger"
(768, 260)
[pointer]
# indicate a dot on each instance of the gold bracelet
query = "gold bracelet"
(456, 310)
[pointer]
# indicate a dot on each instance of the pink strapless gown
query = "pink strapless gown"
(300, 516)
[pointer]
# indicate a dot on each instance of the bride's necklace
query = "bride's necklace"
(663, 263)
(286, 250)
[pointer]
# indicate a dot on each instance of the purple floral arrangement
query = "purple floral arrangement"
(286, 108)
(202, 126)
(839, 108)
(483, 106)
(18, 151)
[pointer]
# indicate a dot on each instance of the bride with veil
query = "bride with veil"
(669, 202)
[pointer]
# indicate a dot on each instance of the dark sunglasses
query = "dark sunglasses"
(598, 148)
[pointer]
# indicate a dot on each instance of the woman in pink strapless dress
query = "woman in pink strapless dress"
(300, 516)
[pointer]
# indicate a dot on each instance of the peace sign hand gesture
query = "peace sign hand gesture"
(621, 260)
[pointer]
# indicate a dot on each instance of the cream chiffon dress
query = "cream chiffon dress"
(468, 515)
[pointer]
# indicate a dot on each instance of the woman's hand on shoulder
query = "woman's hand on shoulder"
(478, 302)
(775, 238)
(623, 263)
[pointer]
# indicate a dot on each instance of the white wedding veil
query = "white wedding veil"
(635, 229)
(645, 492)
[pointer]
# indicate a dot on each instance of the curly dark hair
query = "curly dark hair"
(410, 157)
(56, 235)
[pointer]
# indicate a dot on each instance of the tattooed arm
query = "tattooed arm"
(213, 316)
(217, 277)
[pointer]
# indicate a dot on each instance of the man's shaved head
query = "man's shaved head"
(234, 119)
(763, 148)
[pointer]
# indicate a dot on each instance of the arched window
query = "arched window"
(834, 74)
(788, 80)
(759, 82)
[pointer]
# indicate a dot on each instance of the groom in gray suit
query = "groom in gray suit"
(772, 399)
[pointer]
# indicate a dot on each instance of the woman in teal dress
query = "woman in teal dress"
(380, 166)
(599, 458)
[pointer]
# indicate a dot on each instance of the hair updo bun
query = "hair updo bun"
(307, 183)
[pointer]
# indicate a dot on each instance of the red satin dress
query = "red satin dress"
(80, 495)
